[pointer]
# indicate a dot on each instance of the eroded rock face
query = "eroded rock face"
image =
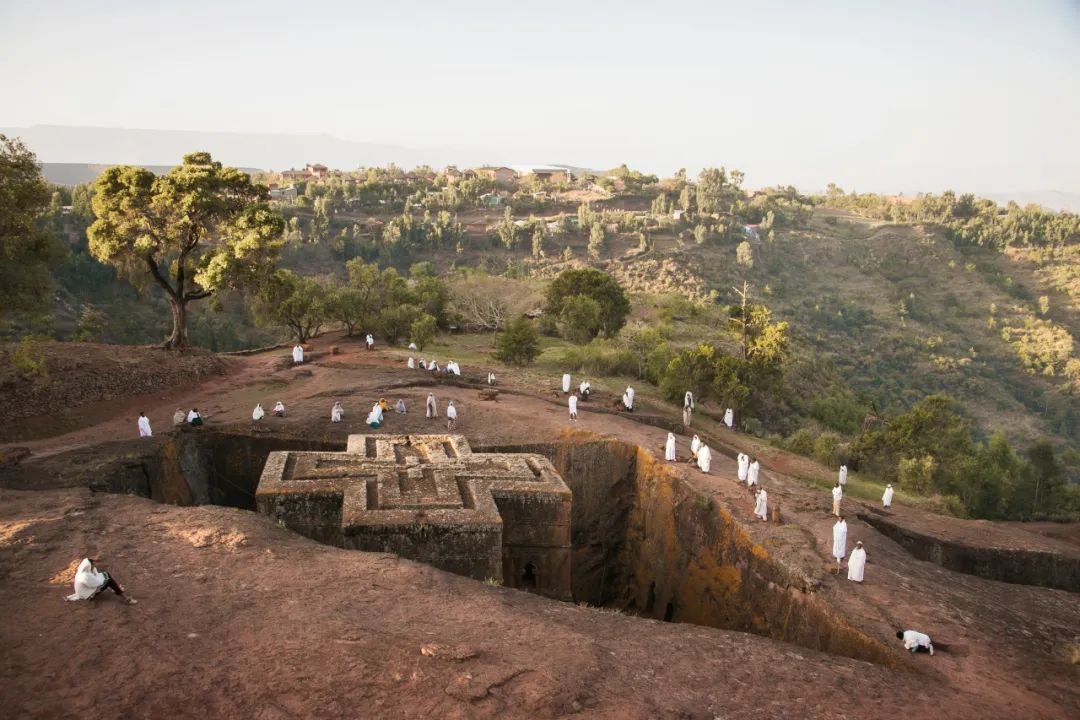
(503, 517)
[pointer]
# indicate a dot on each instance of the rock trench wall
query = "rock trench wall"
(645, 541)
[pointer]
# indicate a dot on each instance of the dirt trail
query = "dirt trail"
(536, 658)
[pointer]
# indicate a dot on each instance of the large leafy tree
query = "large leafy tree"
(199, 229)
(595, 284)
(27, 252)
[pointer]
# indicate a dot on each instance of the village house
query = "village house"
(501, 175)
(285, 194)
(545, 173)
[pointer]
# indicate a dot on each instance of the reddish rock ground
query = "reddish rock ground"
(239, 618)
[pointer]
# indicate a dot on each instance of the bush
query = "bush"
(599, 358)
(422, 330)
(601, 287)
(916, 475)
(802, 442)
(28, 358)
(826, 449)
(579, 321)
(753, 426)
(395, 322)
(518, 344)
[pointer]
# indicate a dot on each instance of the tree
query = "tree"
(538, 242)
(296, 302)
(196, 230)
(596, 284)
(744, 254)
(346, 305)
(597, 241)
(422, 330)
(518, 344)
(27, 253)
(395, 321)
(579, 321)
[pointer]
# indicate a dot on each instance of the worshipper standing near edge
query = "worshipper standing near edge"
(89, 582)
(399, 408)
(194, 418)
(669, 448)
(628, 401)
(688, 408)
(729, 418)
(298, 354)
(410, 363)
(916, 641)
(886, 498)
(144, 426)
(179, 417)
(572, 403)
(370, 340)
(279, 409)
(839, 539)
(856, 564)
(837, 496)
(451, 415)
(704, 458)
(431, 408)
(744, 466)
(761, 504)
(843, 475)
(695, 445)
(258, 413)
(336, 412)
(566, 383)
(630, 394)
(753, 473)
(491, 378)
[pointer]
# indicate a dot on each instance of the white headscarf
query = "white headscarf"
(87, 581)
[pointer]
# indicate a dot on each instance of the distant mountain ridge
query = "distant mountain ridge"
(103, 146)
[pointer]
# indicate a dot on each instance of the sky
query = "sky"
(874, 96)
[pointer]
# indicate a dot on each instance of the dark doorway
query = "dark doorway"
(528, 578)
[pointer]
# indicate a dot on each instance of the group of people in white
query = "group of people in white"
(451, 368)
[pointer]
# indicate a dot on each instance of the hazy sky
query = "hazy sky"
(891, 96)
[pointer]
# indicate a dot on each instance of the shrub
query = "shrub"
(802, 442)
(395, 322)
(518, 344)
(599, 357)
(422, 330)
(28, 358)
(601, 287)
(579, 321)
(826, 449)
(916, 474)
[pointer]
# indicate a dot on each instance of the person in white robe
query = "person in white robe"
(729, 418)
(695, 445)
(194, 418)
(761, 504)
(886, 498)
(451, 415)
(89, 582)
(456, 369)
(837, 496)
(566, 383)
(399, 408)
(433, 366)
(585, 389)
(144, 426)
(688, 400)
(630, 394)
(916, 641)
(374, 418)
(839, 540)
(704, 458)
(411, 363)
(628, 401)
(423, 364)
(279, 409)
(179, 417)
(336, 412)
(377, 411)
(412, 346)
(572, 404)
(370, 340)
(669, 448)
(491, 378)
(843, 475)
(744, 466)
(753, 473)
(298, 354)
(431, 409)
(856, 564)
(258, 413)
(687, 417)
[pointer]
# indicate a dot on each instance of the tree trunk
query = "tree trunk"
(179, 338)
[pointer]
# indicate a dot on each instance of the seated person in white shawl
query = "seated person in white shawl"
(144, 426)
(375, 417)
(453, 368)
(704, 458)
(856, 564)
(412, 346)
(279, 409)
(89, 582)
(916, 641)
(258, 413)
(399, 408)
(194, 418)
(179, 417)
(584, 389)
(298, 354)
(433, 366)
(761, 504)
(336, 412)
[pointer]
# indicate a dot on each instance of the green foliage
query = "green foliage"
(600, 357)
(828, 450)
(595, 284)
(28, 358)
(916, 474)
(395, 321)
(197, 230)
(295, 302)
(422, 330)
(597, 241)
(801, 442)
(518, 344)
(579, 320)
(27, 252)
(744, 255)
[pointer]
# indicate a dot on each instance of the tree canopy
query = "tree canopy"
(196, 230)
(597, 285)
